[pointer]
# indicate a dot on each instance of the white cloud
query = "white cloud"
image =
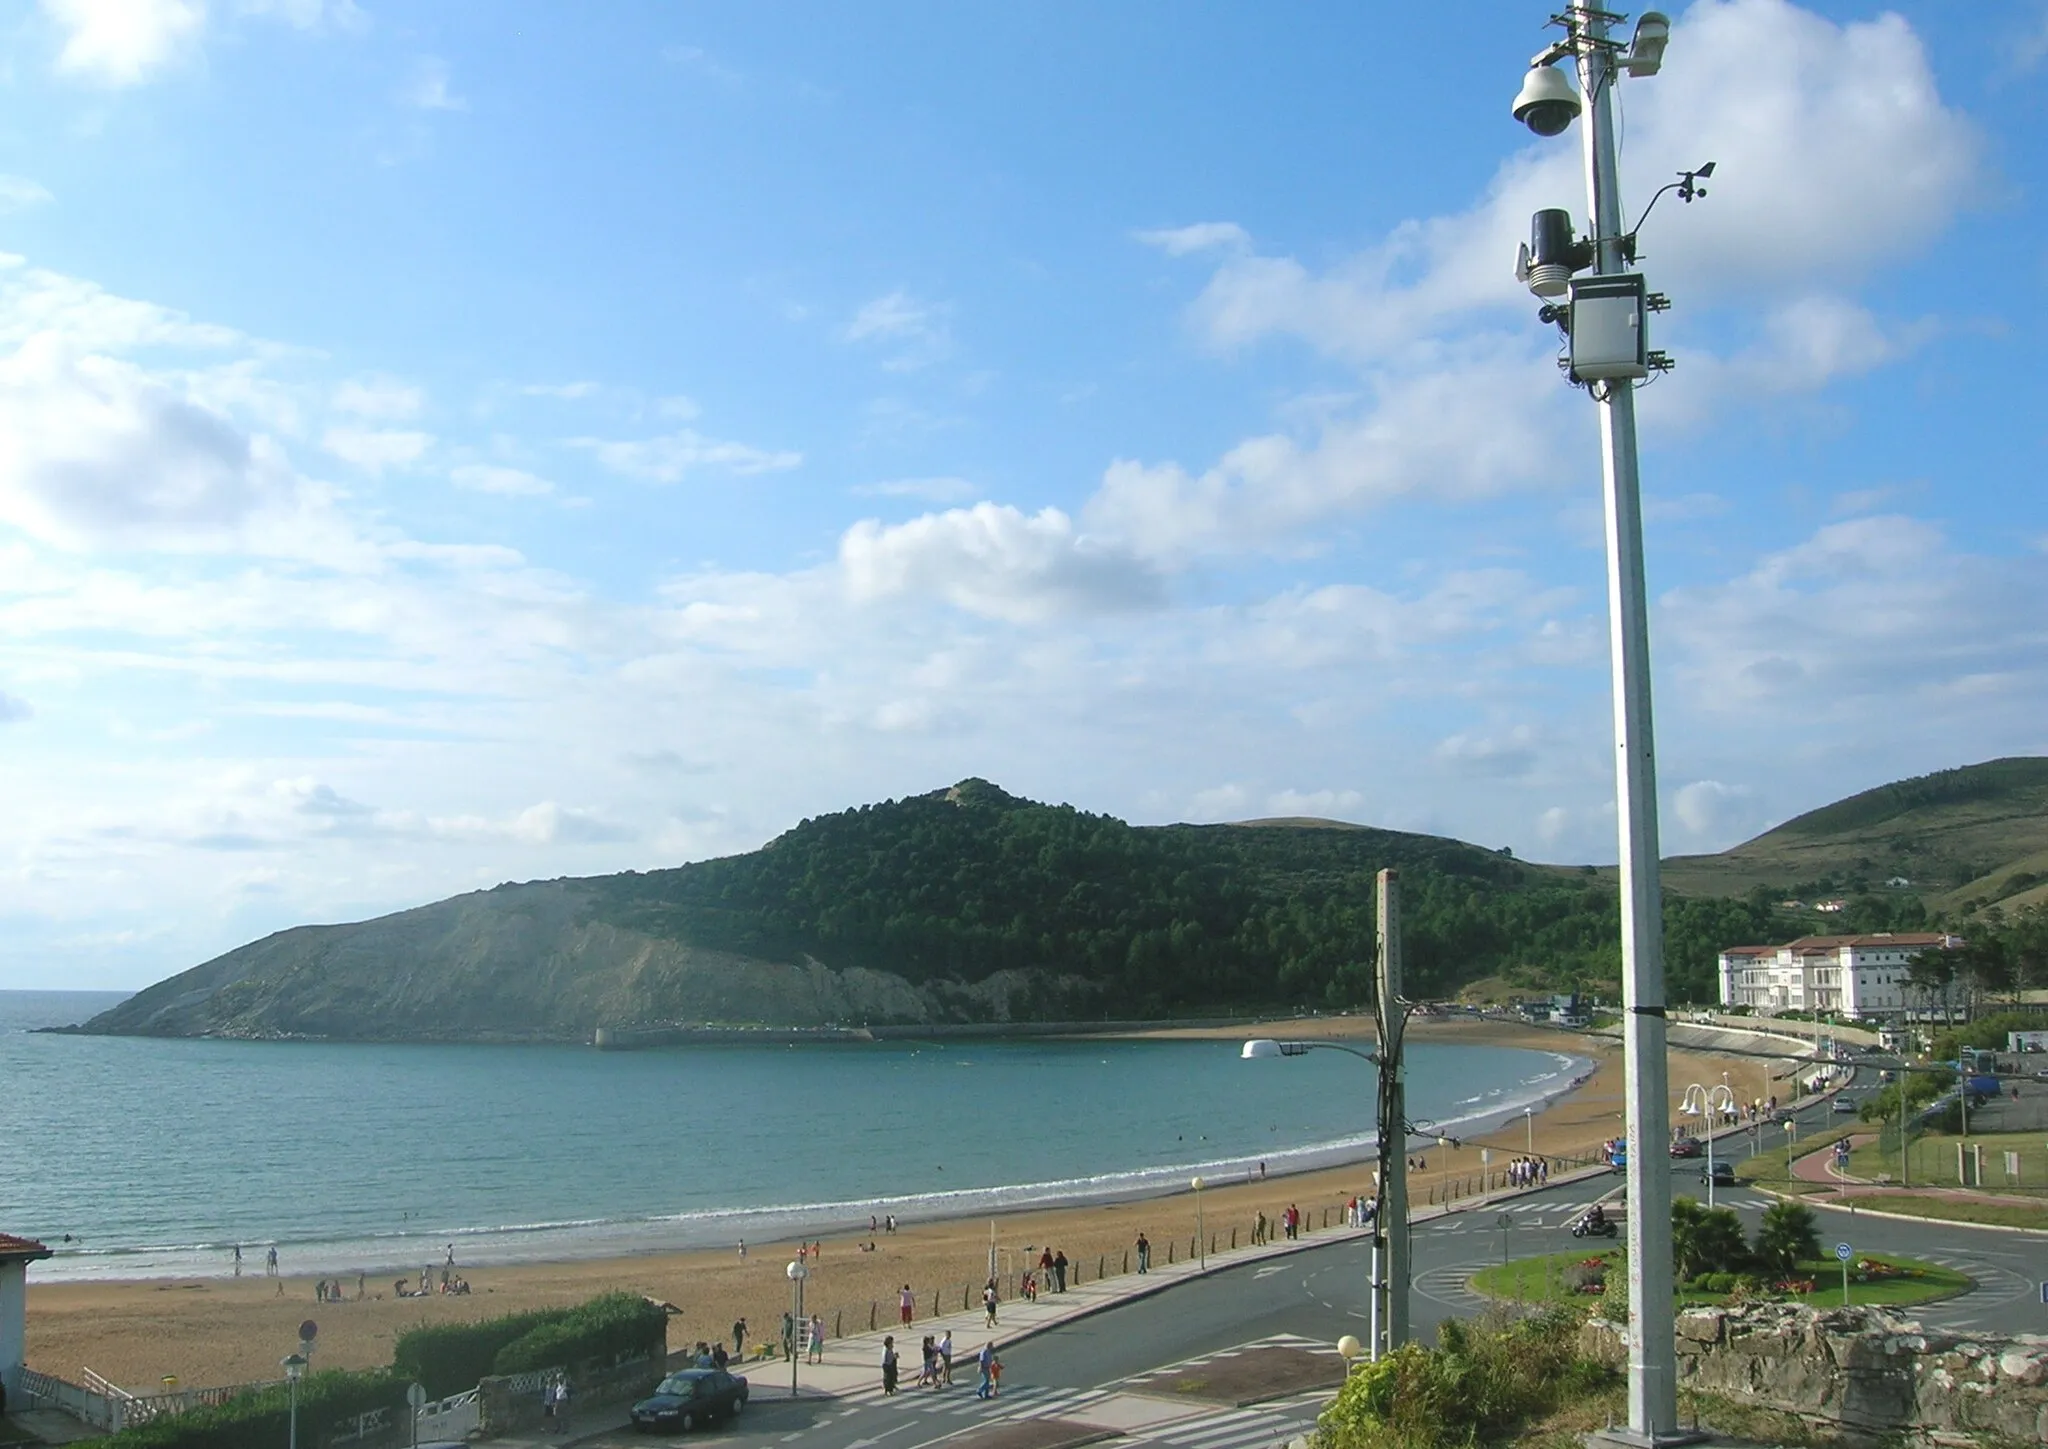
(493, 478)
(95, 451)
(1314, 804)
(119, 42)
(919, 329)
(1836, 147)
(994, 561)
(381, 398)
(1203, 236)
(1491, 756)
(18, 193)
(930, 490)
(673, 456)
(13, 708)
(34, 302)
(1713, 812)
(377, 449)
(429, 88)
(568, 391)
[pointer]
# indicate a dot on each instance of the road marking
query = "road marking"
(1269, 1272)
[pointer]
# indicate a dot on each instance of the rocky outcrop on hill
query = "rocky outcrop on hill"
(532, 963)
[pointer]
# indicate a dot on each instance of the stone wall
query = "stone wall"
(1862, 1371)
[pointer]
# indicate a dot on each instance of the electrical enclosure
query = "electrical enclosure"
(1609, 340)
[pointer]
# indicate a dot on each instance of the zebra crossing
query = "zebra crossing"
(1227, 1429)
(1024, 1401)
(1137, 1382)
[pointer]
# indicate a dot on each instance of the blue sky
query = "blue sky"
(443, 445)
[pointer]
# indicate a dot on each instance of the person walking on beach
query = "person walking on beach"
(739, 1337)
(817, 1338)
(988, 1303)
(238, 1260)
(1144, 1254)
(889, 1363)
(788, 1336)
(906, 1304)
(1059, 1271)
(270, 1264)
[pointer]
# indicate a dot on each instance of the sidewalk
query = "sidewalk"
(851, 1367)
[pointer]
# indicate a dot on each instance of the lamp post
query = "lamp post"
(797, 1273)
(1703, 1103)
(1392, 1206)
(1529, 1122)
(294, 1370)
(1201, 1232)
(1604, 319)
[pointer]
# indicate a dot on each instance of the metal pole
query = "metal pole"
(1710, 1164)
(295, 1413)
(1653, 1355)
(1393, 1123)
(1378, 1290)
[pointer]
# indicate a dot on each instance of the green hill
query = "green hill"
(969, 904)
(1975, 834)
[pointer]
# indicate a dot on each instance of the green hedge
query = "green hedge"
(449, 1358)
(263, 1420)
(605, 1327)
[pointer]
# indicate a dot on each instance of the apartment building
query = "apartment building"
(1860, 978)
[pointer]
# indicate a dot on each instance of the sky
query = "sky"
(443, 445)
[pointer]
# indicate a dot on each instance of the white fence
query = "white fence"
(455, 1417)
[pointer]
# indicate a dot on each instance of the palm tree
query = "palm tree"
(1787, 1235)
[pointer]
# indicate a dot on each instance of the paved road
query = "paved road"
(1086, 1368)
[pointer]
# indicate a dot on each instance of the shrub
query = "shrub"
(1481, 1382)
(1787, 1236)
(449, 1358)
(609, 1326)
(263, 1420)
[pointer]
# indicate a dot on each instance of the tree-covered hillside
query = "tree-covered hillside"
(966, 882)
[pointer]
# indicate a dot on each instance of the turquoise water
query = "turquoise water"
(157, 1156)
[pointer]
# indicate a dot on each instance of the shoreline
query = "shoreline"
(209, 1330)
(511, 1245)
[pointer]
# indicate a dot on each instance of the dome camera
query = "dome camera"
(1547, 103)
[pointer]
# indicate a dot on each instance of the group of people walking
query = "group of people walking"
(937, 1370)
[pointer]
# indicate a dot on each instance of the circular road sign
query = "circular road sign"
(416, 1395)
(308, 1331)
(1844, 1252)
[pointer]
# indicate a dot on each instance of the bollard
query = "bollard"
(839, 1323)
(1233, 1240)
(935, 1303)
(1169, 1252)
(1127, 1260)
(965, 1289)
(1212, 1243)
(871, 1315)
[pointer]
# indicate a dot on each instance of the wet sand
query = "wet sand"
(222, 1330)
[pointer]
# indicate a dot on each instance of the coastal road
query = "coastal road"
(1098, 1368)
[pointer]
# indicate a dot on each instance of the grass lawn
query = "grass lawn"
(1768, 1170)
(1933, 1161)
(1542, 1280)
(1954, 1210)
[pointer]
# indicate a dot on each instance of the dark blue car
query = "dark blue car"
(690, 1397)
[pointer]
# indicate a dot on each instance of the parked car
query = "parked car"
(1685, 1147)
(690, 1397)
(1723, 1174)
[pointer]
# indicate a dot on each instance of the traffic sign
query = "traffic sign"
(416, 1395)
(308, 1331)
(1844, 1252)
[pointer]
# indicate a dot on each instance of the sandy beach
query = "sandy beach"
(209, 1331)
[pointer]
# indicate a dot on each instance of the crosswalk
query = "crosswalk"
(1023, 1401)
(1138, 1383)
(1228, 1429)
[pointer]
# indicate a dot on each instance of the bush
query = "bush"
(1481, 1383)
(449, 1358)
(263, 1420)
(610, 1327)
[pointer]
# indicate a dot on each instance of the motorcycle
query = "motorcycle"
(1590, 1227)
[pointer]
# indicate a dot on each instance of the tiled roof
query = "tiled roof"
(1882, 938)
(13, 1247)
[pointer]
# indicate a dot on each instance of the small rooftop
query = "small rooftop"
(23, 1249)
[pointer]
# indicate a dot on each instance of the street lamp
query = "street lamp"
(1704, 1102)
(294, 1370)
(1603, 317)
(1529, 1122)
(1201, 1232)
(797, 1273)
(1390, 1188)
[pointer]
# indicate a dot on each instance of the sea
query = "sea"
(148, 1158)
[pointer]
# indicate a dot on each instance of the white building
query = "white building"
(1856, 977)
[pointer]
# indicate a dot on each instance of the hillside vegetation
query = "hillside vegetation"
(1963, 838)
(969, 904)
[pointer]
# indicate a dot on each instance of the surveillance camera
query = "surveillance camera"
(1547, 103)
